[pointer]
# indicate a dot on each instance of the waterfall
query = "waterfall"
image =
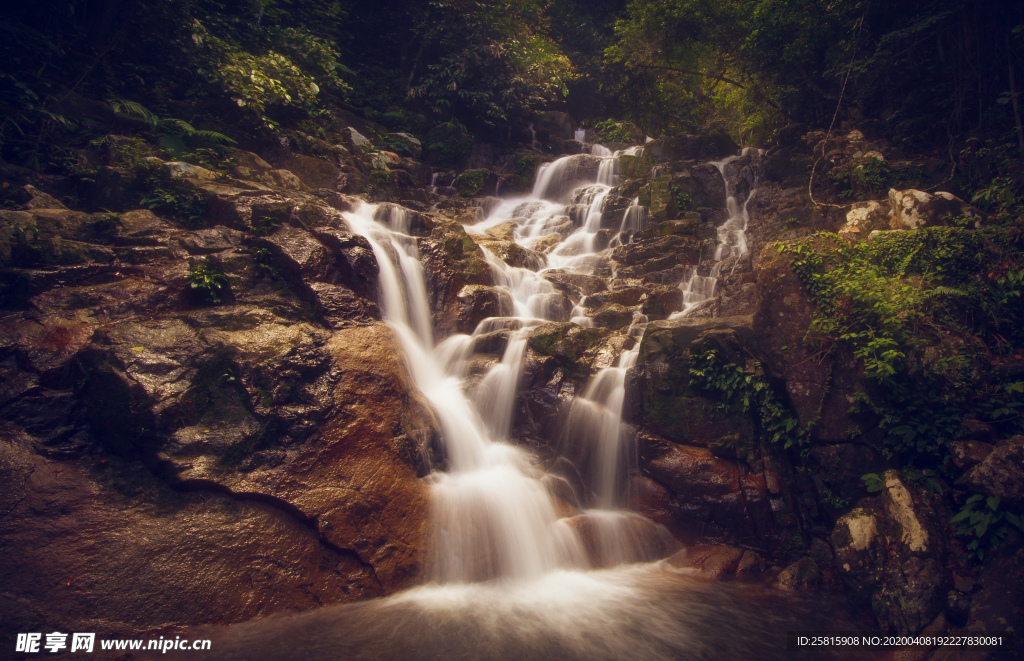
(492, 515)
(514, 571)
(732, 242)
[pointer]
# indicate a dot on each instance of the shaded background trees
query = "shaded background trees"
(928, 74)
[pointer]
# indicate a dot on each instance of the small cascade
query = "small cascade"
(633, 221)
(580, 135)
(600, 150)
(594, 436)
(732, 242)
(533, 136)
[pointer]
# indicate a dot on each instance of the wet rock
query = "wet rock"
(1000, 473)
(801, 575)
(891, 555)
(860, 551)
(649, 254)
(613, 316)
(566, 342)
(819, 390)
(713, 560)
(635, 166)
(661, 300)
(210, 241)
(913, 209)
(575, 285)
(451, 260)
(479, 302)
(694, 473)
(651, 499)
(513, 254)
(709, 498)
(357, 479)
(181, 170)
(250, 166)
(42, 237)
(284, 179)
(626, 296)
(38, 199)
(124, 552)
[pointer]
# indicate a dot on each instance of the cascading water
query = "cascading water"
(732, 242)
(512, 575)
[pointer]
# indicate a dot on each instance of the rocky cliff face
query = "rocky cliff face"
(219, 460)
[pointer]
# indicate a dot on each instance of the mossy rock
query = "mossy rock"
(470, 183)
(567, 343)
(635, 167)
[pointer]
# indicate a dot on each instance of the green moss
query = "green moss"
(526, 170)
(635, 167)
(470, 183)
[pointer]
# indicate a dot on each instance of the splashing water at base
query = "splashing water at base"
(646, 612)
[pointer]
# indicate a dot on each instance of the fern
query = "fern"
(133, 109)
(943, 290)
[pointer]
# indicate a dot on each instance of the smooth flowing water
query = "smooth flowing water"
(512, 573)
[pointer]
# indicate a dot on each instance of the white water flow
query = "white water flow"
(732, 242)
(493, 516)
(573, 585)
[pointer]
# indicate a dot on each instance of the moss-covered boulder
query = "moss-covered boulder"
(451, 260)
(664, 398)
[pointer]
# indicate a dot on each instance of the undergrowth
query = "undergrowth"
(927, 314)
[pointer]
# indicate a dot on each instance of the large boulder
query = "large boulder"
(914, 209)
(891, 555)
(820, 389)
(451, 260)
(864, 218)
(663, 397)
(1000, 473)
(123, 552)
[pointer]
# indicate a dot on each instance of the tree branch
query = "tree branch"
(719, 77)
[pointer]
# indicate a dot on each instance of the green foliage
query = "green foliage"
(287, 71)
(680, 201)
(611, 130)
(985, 523)
(747, 389)
(470, 183)
(207, 281)
(871, 178)
(265, 264)
(449, 143)
(873, 482)
(176, 136)
(494, 60)
(263, 224)
(175, 199)
(526, 171)
(919, 312)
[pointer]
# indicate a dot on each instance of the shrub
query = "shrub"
(207, 281)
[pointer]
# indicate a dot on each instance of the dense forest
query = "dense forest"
(928, 75)
(277, 277)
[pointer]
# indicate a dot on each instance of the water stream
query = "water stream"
(511, 574)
